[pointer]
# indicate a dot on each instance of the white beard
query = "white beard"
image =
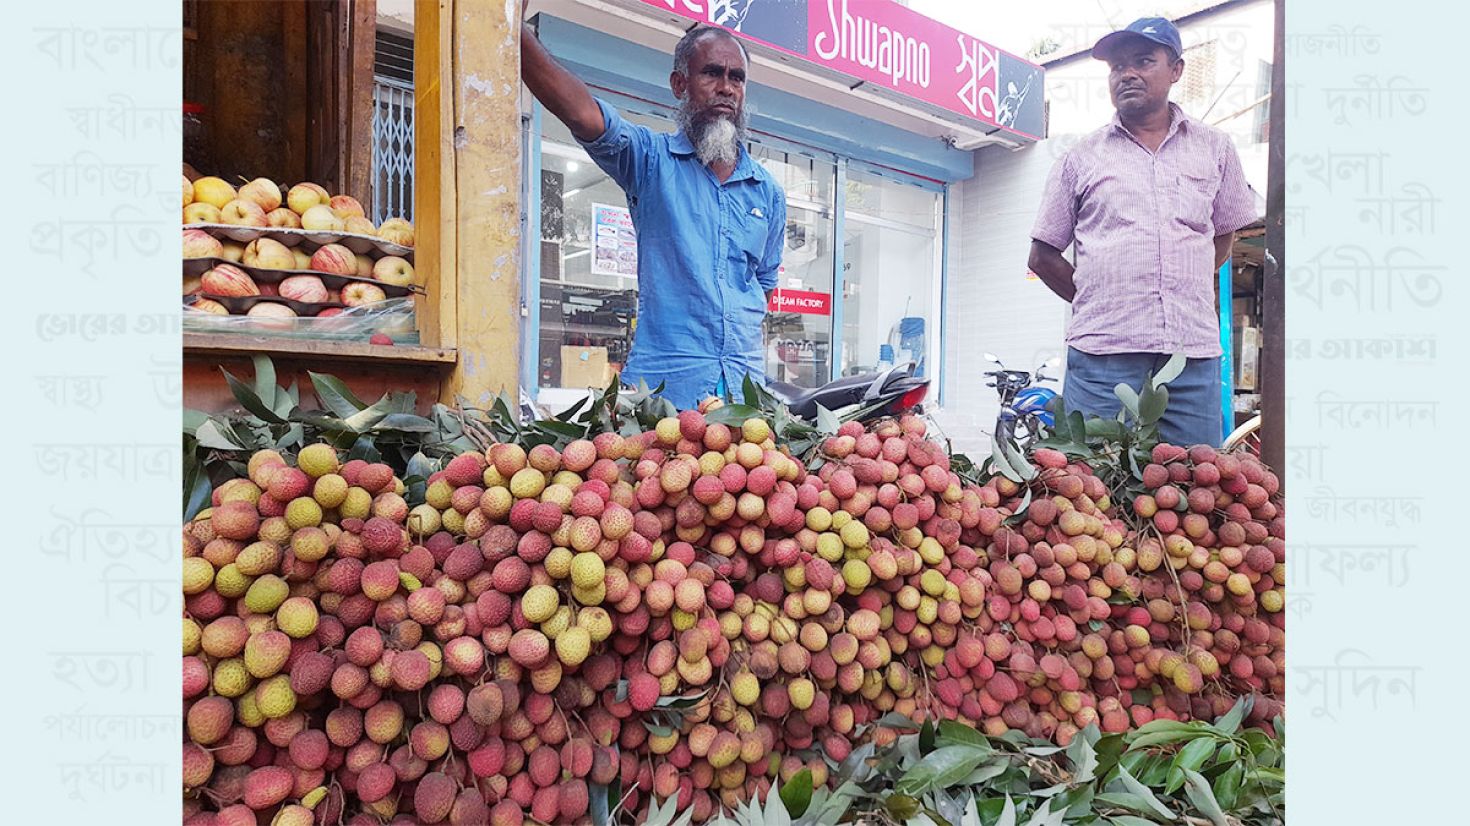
(720, 143)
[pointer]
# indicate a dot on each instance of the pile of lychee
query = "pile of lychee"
(691, 612)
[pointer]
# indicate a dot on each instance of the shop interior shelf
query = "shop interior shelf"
(209, 344)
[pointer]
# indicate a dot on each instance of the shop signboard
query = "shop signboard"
(614, 243)
(800, 301)
(883, 43)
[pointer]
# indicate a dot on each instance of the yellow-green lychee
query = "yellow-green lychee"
(317, 460)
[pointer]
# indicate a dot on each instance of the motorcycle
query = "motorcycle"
(1024, 410)
(889, 392)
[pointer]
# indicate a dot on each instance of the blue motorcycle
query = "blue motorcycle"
(1023, 406)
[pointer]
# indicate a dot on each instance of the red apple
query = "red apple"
(364, 267)
(243, 213)
(200, 212)
(359, 225)
(284, 218)
(263, 192)
(200, 244)
(268, 253)
(358, 293)
(380, 338)
(391, 269)
(209, 306)
(305, 196)
(346, 205)
(228, 280)
(329, 312)
(321, 218)
(334, 259)
(306, 288)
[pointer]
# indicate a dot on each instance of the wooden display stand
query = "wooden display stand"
(301, 110)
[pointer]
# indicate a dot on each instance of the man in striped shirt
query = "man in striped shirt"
(1151, 202)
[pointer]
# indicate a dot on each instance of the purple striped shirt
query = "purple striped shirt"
(1144, 226)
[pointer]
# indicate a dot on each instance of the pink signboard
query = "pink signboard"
(800, 301)
(888, 45)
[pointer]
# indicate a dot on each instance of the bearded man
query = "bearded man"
(711, 222)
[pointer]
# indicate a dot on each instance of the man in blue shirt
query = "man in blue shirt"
(711, 222)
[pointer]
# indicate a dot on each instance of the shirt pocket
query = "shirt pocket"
(751, 235)
(1195, 193)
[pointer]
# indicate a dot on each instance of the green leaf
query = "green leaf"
(732, 414)
(1130, 820)
(1227, 785)
(1171, 370)
(1084, 760)
(1132, 785)
(1229, 723)
(364, 449)
(941, 768)
(894, 720)
(1190, 758)
(215, 437)
(291, 440)
(265, 380)
(197, 489)
(1152, 404)
(827, 420)
(1044, 816)
(1007, 813)
(926, 737)
(405, 423)
(1001, 464)
(797, 793)
(1128, 396)
(249, 400)
(1197, 789)
(335, 394)
(193, 419)
(1026, 470)
(951, 733)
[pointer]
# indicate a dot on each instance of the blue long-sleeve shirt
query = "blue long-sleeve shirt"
(707, 254)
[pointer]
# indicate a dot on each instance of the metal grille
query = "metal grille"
(392, 149)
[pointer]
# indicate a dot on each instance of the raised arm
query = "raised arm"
(561, 92)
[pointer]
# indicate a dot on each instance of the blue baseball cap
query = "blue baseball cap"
(1155, 29)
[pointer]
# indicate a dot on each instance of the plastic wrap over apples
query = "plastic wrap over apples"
(269, 316)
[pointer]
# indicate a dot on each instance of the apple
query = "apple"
(283, 217)
(273, 316)
(303, 261)
(212, 190)
(397, 231)
(334, 297)
(306, 288)
(302, 197)
(364, 267)
(201, 213)
(209, 306)
(358, 293)
(267, 288)
(200, 244)
(243, 213)
(360, 226)
(329, 312)
(234, 251)
(192, 285)
(334, 259)
(268, 253)
(321, 218)
(380, 338)
(228, 280)
(264, 192)
(188, 191)
(390, 269)
(346, 205)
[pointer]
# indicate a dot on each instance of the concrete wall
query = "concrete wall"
(993, 305)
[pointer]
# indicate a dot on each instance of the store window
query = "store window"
(890, 285)
(588, 257)
(798, 332)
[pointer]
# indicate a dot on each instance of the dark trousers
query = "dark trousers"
(1193, 414)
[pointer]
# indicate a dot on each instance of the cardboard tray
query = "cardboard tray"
(296, 237)
(194, 267)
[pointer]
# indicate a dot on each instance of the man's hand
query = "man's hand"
(1053, 270)
(1223, 243)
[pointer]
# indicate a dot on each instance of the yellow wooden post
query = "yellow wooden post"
(471, 176)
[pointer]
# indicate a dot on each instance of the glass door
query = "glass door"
(798, 329)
